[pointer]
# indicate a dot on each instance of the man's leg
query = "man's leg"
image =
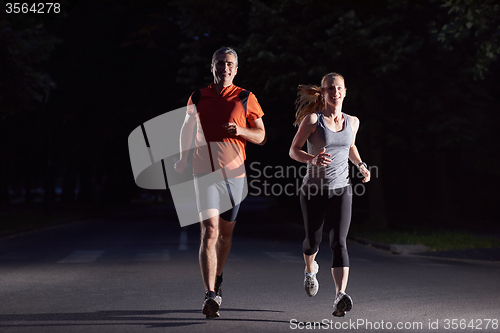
(208, 262)
(208, 249)
(227, 220)
(215, 245)
(224, 243)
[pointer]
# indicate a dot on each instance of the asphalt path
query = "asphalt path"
(138, 272)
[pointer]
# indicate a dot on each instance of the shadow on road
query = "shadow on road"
(126, 317)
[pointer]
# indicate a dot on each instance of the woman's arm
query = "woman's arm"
(306, 128)
(354, 153)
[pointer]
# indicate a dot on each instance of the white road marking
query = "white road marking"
(285, 257)
(160, 255)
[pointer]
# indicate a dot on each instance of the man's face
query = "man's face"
(224, 69)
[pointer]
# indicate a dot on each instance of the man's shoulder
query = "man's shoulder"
(239, 91)
(243, 93)
(196, 94)
(205, 90)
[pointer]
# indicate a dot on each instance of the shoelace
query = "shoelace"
(310, 280)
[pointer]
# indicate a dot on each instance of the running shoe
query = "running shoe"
(218, 289)
(210, 305)
(342, 304)
(311, 283)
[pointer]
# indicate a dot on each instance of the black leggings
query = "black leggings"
(330, 210)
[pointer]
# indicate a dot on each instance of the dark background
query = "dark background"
(422, 77)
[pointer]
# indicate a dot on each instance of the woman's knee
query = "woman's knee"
(338, 244)
(310, 247)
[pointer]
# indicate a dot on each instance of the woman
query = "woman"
(326, 193)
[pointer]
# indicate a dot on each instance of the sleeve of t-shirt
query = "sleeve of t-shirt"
(254, 111)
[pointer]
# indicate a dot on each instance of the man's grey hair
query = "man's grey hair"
(225, 50)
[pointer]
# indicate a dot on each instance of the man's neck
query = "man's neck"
(220, 85)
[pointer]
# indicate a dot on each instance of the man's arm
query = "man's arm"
(255, 134)
(186, 139)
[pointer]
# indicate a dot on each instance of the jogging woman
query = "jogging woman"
(326, 193)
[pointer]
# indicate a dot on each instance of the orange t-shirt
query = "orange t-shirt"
(215, 148)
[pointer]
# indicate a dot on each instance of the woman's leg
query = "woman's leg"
(340, 214)
(309, 260)
(313, 212)
(340, 277)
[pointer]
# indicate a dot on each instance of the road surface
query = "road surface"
(138, 272)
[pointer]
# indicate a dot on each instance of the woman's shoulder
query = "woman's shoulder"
(311, 118)
(353, 120)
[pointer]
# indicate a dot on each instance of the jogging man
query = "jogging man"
(226, 117)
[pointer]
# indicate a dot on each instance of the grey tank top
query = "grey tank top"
(337, 144)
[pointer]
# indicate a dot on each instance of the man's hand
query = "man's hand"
(180, 165)
(232, 128)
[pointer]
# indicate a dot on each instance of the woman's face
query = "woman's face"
(333, 90)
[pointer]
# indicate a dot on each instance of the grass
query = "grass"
(440, 240)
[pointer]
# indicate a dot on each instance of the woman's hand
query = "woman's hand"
(322, 159)
(365, 172)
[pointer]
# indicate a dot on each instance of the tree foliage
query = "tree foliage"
(473, 23)
(421, 75)
(25, 45)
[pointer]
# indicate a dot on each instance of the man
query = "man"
(227, 117)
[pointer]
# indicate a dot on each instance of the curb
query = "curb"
(408, 249)
(400, 249)
(422, 251)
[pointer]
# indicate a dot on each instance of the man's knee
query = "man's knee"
(209, 231)
(226, 230)
(225, 237)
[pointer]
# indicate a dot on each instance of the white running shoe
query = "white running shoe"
(311, 283)
(342, 304)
